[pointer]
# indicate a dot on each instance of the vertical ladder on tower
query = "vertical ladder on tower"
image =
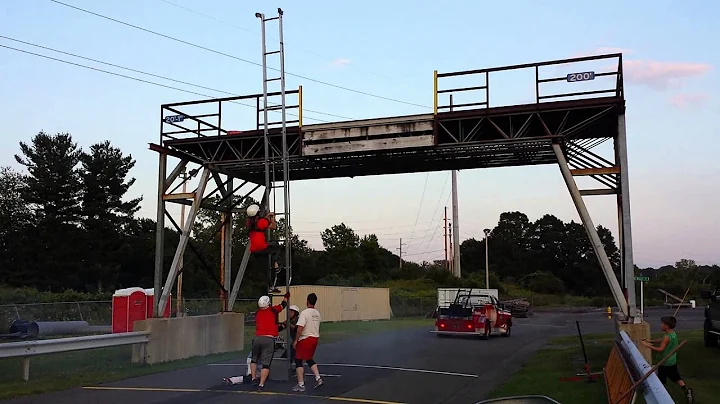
(272, 185)
(276, 160)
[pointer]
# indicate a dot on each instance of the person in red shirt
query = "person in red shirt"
(266, 331)
(258, 223)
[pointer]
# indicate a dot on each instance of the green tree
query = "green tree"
(53, 194)
(106, 215)
(15, 219)
(373, 261)
(53, 185)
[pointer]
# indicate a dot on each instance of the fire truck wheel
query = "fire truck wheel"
(509, 331)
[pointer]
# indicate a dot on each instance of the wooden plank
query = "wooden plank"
(595, 171)
(171, 197)
(593, 192)
(368, 145)
(369, 122)
(368, 131)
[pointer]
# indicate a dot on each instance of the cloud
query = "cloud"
(340, 63)
(661, 75)
(651, 73)
(685, 100)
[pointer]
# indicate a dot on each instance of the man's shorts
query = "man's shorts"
(668, 372)
(306, 348)
(262, 350)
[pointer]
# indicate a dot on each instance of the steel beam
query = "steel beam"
(228, 245)
(160, 233)
(591, 231)
(239, 278)
(184, 238)
(175, 173)
(628, 263)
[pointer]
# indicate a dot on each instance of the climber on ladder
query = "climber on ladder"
(258, 222)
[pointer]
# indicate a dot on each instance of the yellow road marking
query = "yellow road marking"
(261, 393)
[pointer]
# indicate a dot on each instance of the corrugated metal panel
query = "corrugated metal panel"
(340, 303)
(373, 304)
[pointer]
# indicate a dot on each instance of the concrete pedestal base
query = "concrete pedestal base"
(636, 332)
(279, 370)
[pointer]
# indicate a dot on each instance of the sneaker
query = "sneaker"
(318, 383)
(298, 387)
(227, 381)
(255, 382)
(260, 388)
(689, 395)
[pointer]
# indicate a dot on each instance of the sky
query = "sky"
(387, 49)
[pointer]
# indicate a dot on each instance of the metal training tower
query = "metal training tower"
(574, 110)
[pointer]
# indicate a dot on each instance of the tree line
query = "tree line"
(66, 224)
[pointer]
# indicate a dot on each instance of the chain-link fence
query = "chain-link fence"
(412, 306)
(99, 313)
(95, 313)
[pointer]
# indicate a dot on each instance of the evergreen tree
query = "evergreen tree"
(106, 215)
(53, 183)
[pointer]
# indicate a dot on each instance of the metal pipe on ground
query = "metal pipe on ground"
(38, 329)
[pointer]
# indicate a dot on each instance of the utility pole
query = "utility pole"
(400, 248)
(456, 226)
(178, 301)
(487, 267)
(445, 230)
(450, 240)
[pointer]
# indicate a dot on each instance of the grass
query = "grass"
(563, 358)
(81, 368)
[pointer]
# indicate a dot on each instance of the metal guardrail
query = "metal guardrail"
(26, 349)
(653, 391)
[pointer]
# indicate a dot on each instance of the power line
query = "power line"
(421, 253)
(108, 72)
(436, 209)
(164, 78)
(422, 198)
(258, 34)
(128, 77)
(235, 57)
(436, 229)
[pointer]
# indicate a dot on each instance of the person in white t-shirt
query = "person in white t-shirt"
(306, 341)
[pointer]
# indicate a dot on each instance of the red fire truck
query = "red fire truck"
(473, 313)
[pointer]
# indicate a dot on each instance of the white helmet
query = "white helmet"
(295, 308)
(263, 302)
(252, 210)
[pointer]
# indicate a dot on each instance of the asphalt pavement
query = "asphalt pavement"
(404, 366)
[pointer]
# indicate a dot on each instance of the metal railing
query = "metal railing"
(653, 391)
(27, 349)
(177, 118)
(572, 77)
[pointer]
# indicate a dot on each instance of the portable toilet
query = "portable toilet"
(128, 306)
(150, 302)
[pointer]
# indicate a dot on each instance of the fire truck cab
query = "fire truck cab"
(473, 314)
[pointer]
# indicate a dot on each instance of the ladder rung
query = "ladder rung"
(273, 108)
(280, 122)
(277, 51)
(273, 18)
(274, 79)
